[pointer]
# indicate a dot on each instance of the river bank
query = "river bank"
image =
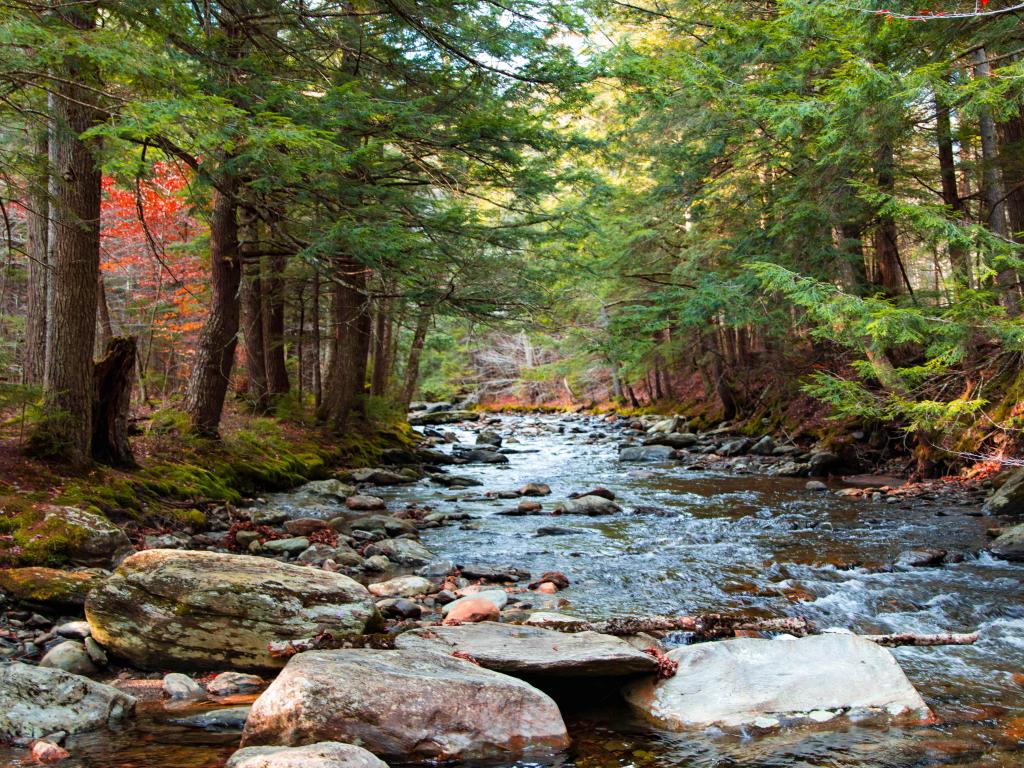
(683, 539)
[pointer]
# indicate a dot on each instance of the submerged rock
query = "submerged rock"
(533, 651)
(324, 754)
(204, 610)
(735, 682)
(590, 505)
(36, 701)
(227, 719)
(405, 705)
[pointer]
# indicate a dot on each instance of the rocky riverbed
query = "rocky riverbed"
(429, 587)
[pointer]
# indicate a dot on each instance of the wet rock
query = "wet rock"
(303, 526)
(315, 554)
(677, 440)
(763, 447)
(921, 558)
(452, 481)
(497, 597)
(534, 489)
(1009, 545)
(734, 682)
(49, 587)
(227, 719)
(554, 620)
(231, 683)
(76, 630)
(591, 506)
(600, 491)
(790, 469)
(493, 574)
(471, 609)
(329, 489)
(402, 586)
(647, 453)
(69, 656)
(36, 701)
(204, 610)
(824, 463)
(287, 546)
(735, 447)
(1009, 499)
(559, 579)
(485, 456)
(179, 686)
(167, 541)
(441, 417)
(399, 608)
(383, 524)
(555, 530)
(88, 539)
(489, 437)
(381, 477)
(401, 551)
(365, 503)
(376, 564)
(406, 705)
(815, 485)
(529, 507)
(324, 754)
(533, 651)
(48, 752)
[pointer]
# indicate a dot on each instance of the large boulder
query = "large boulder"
(325, 754)
(203, 610)
(86, 538)
(36, 701)
(533, 651)
(745, 680)
(590, 505)
(1009, 499)
(49, 587)
(650, 453)
(405, 705)
(1009, 545)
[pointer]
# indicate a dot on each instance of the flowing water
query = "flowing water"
(721, 543)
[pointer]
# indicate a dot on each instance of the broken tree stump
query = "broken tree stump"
(112, 393)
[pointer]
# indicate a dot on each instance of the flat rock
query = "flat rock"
(647, 453)
(401, 551)
(734, 682)
(405, 705)
(533, 651)
(204, 610)
(590, 505)
(37, 701)
(378, 476)
(402, 586)
(324, 754)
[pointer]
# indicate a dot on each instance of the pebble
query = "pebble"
(46, 752)
(179, 686)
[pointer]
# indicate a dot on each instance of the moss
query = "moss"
(47, 586)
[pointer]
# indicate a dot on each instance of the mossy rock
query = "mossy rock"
(49, 587)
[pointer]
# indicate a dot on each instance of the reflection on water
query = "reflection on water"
(724, 543)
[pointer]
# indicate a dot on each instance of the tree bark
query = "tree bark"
(252, 336)
(412, 366)
(1011, 155)
(106, 328)
(66, 429)
(350, 341)
(38, 246)
(273, 325)
(317, 386)
(112, 396)
(959, 258)
(888, 269)
(215, 353)
(381, 350)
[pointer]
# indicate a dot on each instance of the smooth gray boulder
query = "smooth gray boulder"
(746, 681)
(406, 705)
(647, 453)
(70, 656)
(324, 754)
(173, 609)
(1009, 545)
(36, 701)
(533, 651)
(590, 505)
(1009, 499)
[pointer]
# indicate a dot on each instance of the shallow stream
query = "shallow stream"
(721, 543)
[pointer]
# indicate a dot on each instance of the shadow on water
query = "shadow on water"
(716, 542)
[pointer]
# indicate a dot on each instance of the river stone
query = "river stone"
(231, 683)
(392, 526)
(1009, 499)
(673, 439)
(590, 505)
(1009, 545)
(328, 489)
(534, 489)
(360, 503)
(402, 586)
(227, 719)
(497, 597)
(377, 476)
(533, 651)
(49, 587)
(647, 453)
(204, 610)
(69, 656)
(36, 701)
(287, 546)
(324, 754)
(89, 539)
(178, 686)
(405, 705)
(733, 682)
(441, 417)
(485, 456)
(401, 551)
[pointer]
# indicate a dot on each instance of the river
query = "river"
(721, 542)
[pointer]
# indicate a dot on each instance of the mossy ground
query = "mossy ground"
(178, 475)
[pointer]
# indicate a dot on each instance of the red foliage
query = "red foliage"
(666, 667)
(324, 536)
(266, 533)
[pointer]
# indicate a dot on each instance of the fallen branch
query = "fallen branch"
(707, 626)
(910, 638)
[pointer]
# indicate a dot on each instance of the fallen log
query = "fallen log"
(910, 638)
(706, 626)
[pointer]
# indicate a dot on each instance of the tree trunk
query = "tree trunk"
(959, 258)
(346, 376)
(215, 352)
(112, 396)
(252, 336)
(1011, 155)
(317, 388)
(888, 269)
(381, 350)
(412, 366)
(38, 247)
(66, 429)
(994, 203)
(273, 325)
(106, 328)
